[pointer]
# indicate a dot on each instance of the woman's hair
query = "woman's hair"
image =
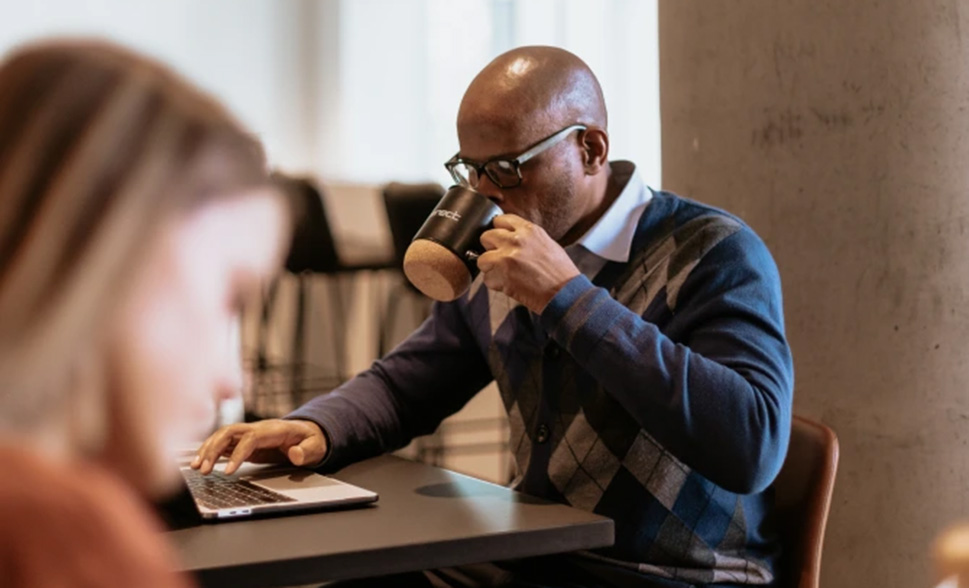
(99, 147)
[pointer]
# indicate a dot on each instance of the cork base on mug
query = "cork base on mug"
(435, 270)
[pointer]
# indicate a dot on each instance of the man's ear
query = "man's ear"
(594, 142)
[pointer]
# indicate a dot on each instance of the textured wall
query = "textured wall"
(840, 131)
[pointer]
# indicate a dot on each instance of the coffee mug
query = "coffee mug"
(441, 261)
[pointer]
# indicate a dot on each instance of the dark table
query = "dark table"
(426, 517)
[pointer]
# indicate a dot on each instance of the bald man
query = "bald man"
(636, 337)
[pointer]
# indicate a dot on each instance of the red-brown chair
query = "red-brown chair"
(803, 492)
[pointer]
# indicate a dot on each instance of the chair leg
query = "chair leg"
(338, 322)
(385, 327)
(380, 302)
(258, 403)
(265, 314)
(299, 343)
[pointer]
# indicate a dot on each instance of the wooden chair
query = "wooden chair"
(803, 492)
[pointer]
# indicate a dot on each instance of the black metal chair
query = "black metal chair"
(408, 206)
(313, 251)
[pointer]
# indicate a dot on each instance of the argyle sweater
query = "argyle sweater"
(659, 395)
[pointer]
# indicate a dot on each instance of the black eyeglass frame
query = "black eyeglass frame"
(515, 162)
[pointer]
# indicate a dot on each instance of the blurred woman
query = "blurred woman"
(135, 214)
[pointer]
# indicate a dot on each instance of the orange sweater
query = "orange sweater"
(77, 527)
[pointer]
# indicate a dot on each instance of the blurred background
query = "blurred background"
(838, 130)
(367, 90)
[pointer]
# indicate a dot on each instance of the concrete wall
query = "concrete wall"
(840, 132)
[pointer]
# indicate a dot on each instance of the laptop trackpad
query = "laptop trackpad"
(301, 484)
(292, 480)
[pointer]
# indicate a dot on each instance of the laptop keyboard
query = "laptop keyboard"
(218, 491)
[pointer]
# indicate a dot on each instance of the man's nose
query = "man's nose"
(487, 188)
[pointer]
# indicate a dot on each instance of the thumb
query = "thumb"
(310, 451)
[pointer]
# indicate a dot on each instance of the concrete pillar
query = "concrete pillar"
(840, 131)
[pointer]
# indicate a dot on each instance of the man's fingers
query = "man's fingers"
(213, 453)
(495, 238)
(242, 451)
(309, 451)
(215, 445)
(487, 260)
(210, 450)
(493, 281)
(204, 450)
(509, 221)
(489, 239)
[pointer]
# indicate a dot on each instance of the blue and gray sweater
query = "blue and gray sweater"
(658, 395)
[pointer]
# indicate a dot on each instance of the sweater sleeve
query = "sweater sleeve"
(719, 397)
(425, 379)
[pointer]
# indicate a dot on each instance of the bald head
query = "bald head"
(537, 89)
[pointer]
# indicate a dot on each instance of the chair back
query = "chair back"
(313, 248)
(408, 206)
(802, 497)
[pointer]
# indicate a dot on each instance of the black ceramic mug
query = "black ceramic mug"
(441, 261)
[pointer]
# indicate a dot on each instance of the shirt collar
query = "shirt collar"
(611, 237)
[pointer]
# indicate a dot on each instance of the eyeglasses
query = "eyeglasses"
(504, 172)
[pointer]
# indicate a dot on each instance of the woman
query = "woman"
(135, 215)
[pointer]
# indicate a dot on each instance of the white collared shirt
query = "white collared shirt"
(611, 238)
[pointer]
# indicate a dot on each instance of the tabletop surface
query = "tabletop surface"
(426, 517)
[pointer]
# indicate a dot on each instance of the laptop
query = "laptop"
(256, 490)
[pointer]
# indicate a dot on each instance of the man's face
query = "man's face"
(549, 194)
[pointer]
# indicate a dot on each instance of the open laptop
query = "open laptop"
(260, 489)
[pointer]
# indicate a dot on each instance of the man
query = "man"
(636, 337)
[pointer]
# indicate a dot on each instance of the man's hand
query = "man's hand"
(523, 262)
(269, 441)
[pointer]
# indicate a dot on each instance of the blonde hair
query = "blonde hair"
(98, 147)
